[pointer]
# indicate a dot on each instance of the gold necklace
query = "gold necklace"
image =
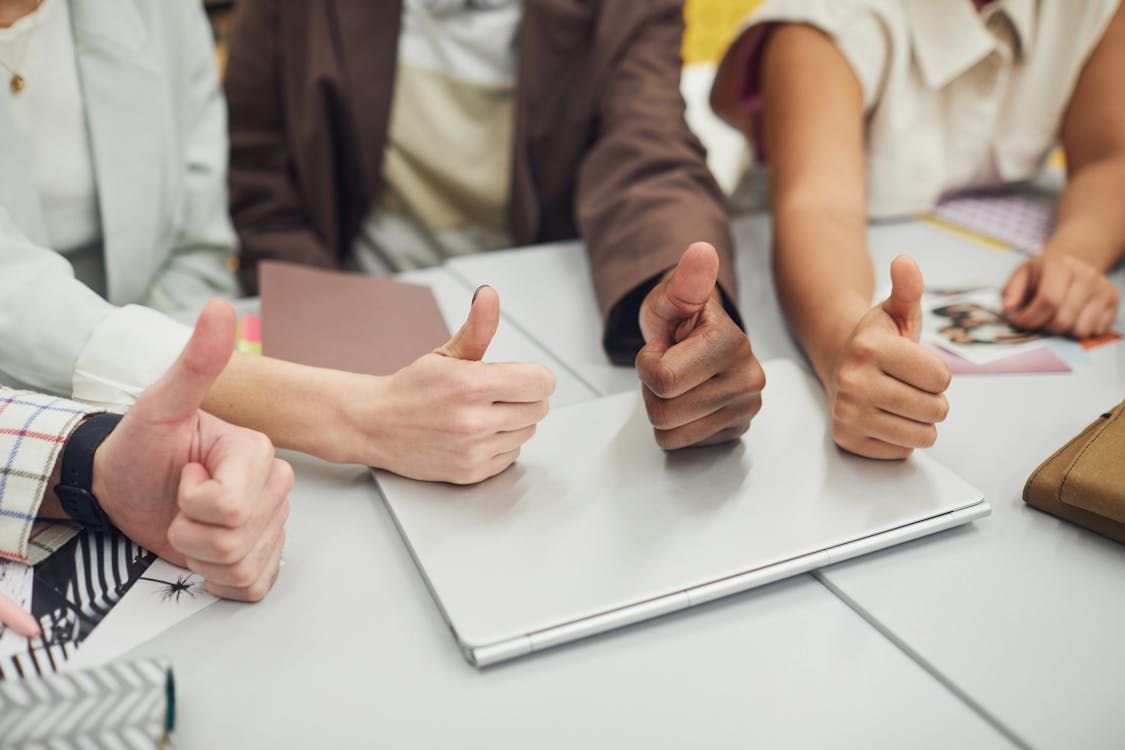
(17, 82)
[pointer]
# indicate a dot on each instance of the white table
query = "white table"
(1020, 614)
(349, 650)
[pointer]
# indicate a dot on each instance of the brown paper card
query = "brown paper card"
(346, 321)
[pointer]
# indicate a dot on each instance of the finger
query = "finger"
(1067, 314)
(245, 573)
(718, 393)
(914, 365)
(473, 338)
(258, 590)
(896, 397)
(180, 392)
(516, 416)
(1106, 321)
(239, 463)
(709, 350)
(904, 305)
(226, 545)
(706, 429)
(13, 617)
(869, 447)
(510, 440)
(515, 382)
(1012, 298)
(1046, 299)
(690, 285)
(896, 430)
(1087, 322)
(489, 468)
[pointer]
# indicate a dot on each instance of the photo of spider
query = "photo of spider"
(173, 590)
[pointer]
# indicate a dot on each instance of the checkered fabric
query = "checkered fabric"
(33, 430)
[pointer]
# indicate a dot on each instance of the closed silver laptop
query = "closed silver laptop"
(596, 527)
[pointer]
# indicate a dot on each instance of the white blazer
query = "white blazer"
(157, 125)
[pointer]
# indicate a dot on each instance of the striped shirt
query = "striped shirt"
(33, 431)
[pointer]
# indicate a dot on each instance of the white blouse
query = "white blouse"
(51, 124)
(955, 98)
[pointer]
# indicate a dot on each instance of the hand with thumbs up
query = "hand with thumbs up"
(193, 489)
(448, 416)
(700, 379)
(887, 393)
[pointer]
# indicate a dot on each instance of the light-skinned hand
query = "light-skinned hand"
(193, 489)
(887, 394)
(1061, 294)
(453, 417)
(11, 616)
(701, 382)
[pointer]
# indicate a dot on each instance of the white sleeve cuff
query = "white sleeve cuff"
(127, 352)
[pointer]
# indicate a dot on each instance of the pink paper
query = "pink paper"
(1036, 360)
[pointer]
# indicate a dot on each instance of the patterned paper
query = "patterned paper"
(119, 705)
(1023, 221)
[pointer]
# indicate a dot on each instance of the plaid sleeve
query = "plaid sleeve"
(33, 431)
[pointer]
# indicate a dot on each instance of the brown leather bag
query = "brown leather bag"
(1084, 481)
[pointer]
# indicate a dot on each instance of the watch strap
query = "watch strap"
(76, 481)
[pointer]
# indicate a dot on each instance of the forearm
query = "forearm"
(824, 278)
(298, 407)
(1090, 224)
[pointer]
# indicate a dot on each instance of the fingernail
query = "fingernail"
(475, 293)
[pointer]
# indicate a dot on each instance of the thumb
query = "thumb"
(180, 392)
(905, 303)
(1016, 289)
(685, 292)
(472, 340)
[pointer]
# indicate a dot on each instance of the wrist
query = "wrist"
(356, 402)
(826, 348)
(1081, 242)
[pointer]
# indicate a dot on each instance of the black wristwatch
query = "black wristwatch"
(76, 481)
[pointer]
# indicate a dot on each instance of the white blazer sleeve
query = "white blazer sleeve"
(200, 264)
(57, 335)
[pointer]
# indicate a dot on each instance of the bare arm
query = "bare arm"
(812, 129)
(1064, 288)
(885, 391)
(447, 416)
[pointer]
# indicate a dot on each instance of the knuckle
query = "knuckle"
(232, 511)
(285, 475)
(755, 377)
(226, 547)
(864, 347)
(664, 380)
(666, 439)
(465, 423)
(243, 575)
(658, 416)
(259, 443)
(844, 412)
(256, 592)
(849, 380)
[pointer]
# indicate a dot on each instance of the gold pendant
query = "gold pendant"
(16, 84)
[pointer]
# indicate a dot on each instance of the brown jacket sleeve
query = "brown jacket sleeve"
(267, 210)
(644, 191)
